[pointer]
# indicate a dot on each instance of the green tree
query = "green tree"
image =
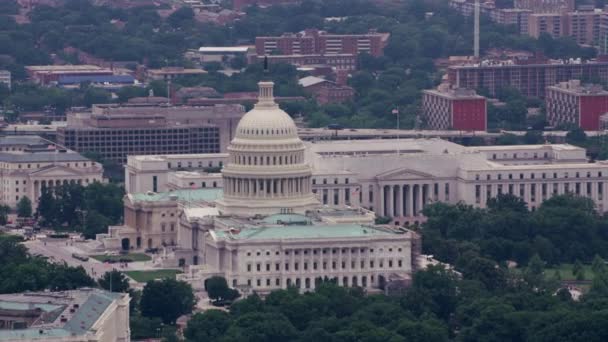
(210, 325)
(578, 270)
(261, 327)
(114, 281)
(24, 207)
(534, 273)
(94, 224)
(217, 289)
(598, 265)
(576, 136)
(4, 211)
(166, 299)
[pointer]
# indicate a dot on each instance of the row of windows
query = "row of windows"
(324, 265)
(287, 160)
(335, 181)
(200, 164)
(544, 188)
(543, 175)
(307, 282)
(515, 155)
(326, 251)
(164, 225)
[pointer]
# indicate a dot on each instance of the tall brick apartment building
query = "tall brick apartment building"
(573, 103)
(311, 42)
(531, 78)
(459, 109)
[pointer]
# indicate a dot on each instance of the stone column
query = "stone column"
(381, 206)
(390, 201)
(419, 199)
(410, 200)
(399, 202)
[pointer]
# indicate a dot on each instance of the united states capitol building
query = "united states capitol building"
(276, 211)
(259, 222)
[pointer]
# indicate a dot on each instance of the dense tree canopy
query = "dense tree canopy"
(21, 272)
(89, 209)
(166, 299)
(564, 228)
(141, 35)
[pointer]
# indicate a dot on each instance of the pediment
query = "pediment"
(55, 171)
(403, 174)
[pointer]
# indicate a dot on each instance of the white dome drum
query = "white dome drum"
(266, 171)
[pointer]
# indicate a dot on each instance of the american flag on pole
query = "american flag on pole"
(395, 111)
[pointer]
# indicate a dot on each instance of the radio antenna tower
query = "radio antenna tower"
(476, 30)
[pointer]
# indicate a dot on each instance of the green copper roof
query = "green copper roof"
(304, 232)
(6, 305)
(33, 334)
(186, 195)
(286, 219)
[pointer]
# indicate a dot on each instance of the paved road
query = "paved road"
(61, 250)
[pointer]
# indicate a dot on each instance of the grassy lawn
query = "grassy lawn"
(565, 271)
(132, 256)
(145, 276)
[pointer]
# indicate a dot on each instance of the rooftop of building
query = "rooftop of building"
(384, 146)
(175, 70)
(446, 91)
(11, 140)
(42, 157)
(284, 232)
(169, 157)
(182, 195)
(575, 87)
(490, 63)
(61, 314)
(224, 49)
(310, 81)
(69, 67)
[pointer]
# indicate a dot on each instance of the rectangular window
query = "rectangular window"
(155, 183)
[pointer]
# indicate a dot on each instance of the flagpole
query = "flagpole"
(396, 112)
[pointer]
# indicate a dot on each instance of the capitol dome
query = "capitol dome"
(266, 172)
(266, 121)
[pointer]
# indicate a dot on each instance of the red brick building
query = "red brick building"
(573, 103)
(343, 61)
(320, 42)
(530, 77)
(326, 91)
(459, 109)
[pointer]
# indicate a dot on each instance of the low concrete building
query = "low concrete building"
(169, 73)
(116, 131)
(83, 315)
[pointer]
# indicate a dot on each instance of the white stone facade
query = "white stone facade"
(266, 164)
(268, 265)
(414, 172)
(28, 164)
